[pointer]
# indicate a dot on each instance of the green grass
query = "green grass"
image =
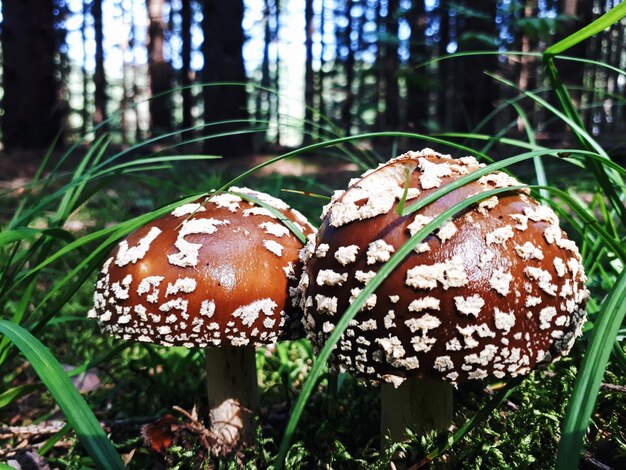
(78, 414)
(308, 419)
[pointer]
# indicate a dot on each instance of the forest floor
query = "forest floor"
(138, 386)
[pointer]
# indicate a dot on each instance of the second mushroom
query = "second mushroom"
(491, 294)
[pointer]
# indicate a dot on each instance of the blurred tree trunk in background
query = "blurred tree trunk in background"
(158, 69)
(223, 62)
(417, 79)
(358, 89)
(444, 86)
(321, 75)
(134, 91)
(309, 77)
(346, 108)
(86, 101)
(389, 65)
(479, 92)
(572, 73)
(31, 103)
(359, 60)
(526, 80)
(100, 81)
(185, 71)
(125, 99)
(275, 39)
(263, 96)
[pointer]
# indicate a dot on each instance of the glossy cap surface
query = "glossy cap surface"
(494, 292)
(211, 273)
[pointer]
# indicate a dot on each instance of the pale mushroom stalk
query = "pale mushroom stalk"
(232, 393)
(421, 405)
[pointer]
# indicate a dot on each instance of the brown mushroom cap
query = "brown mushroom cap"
(492, 293)
(216, 272)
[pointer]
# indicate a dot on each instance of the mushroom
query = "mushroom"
(491, 294)
(220, 274)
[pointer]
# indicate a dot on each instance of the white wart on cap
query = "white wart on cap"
(211, 273)
(492, 293)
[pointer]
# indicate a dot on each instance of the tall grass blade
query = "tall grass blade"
(67, 202)
(590, 141)
(572, 119)
(56, 437)
(589, 378)
(284, 220)
(581, 60)
(78, 414)
(540, 171)
(9, 396)
(353, 138)
(605, 21)
(17, 234)
(306, 193)
(111, 233)
(489, 169)
(24, 202)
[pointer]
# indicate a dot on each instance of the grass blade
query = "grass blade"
(66, 206)
(589, 379)
(605, 21)
(283, 219)
(577, 127)
(72, 404)
(9, 396)
(530, 133)
(18, 234)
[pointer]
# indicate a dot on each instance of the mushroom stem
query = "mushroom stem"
(232, 396)
(422, 405)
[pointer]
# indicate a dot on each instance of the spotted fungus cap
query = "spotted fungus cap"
(216, 272)
(492, 293)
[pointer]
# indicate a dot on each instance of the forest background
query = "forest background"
(363, 65)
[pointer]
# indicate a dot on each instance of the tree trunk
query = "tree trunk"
(572, 73)
(389, 64)
(443, 68)
(185, 72)
(392, 65)
(321, 105)
(134, 87)
(223, 62)
(32, 115)
(125, 47)
(86, 101)
(158, 69)
(309, 77)
(276, 84)
(479, 92)
(346, 109)
(100, 82)
(526, 75)
(417, 93)
(263, 97)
